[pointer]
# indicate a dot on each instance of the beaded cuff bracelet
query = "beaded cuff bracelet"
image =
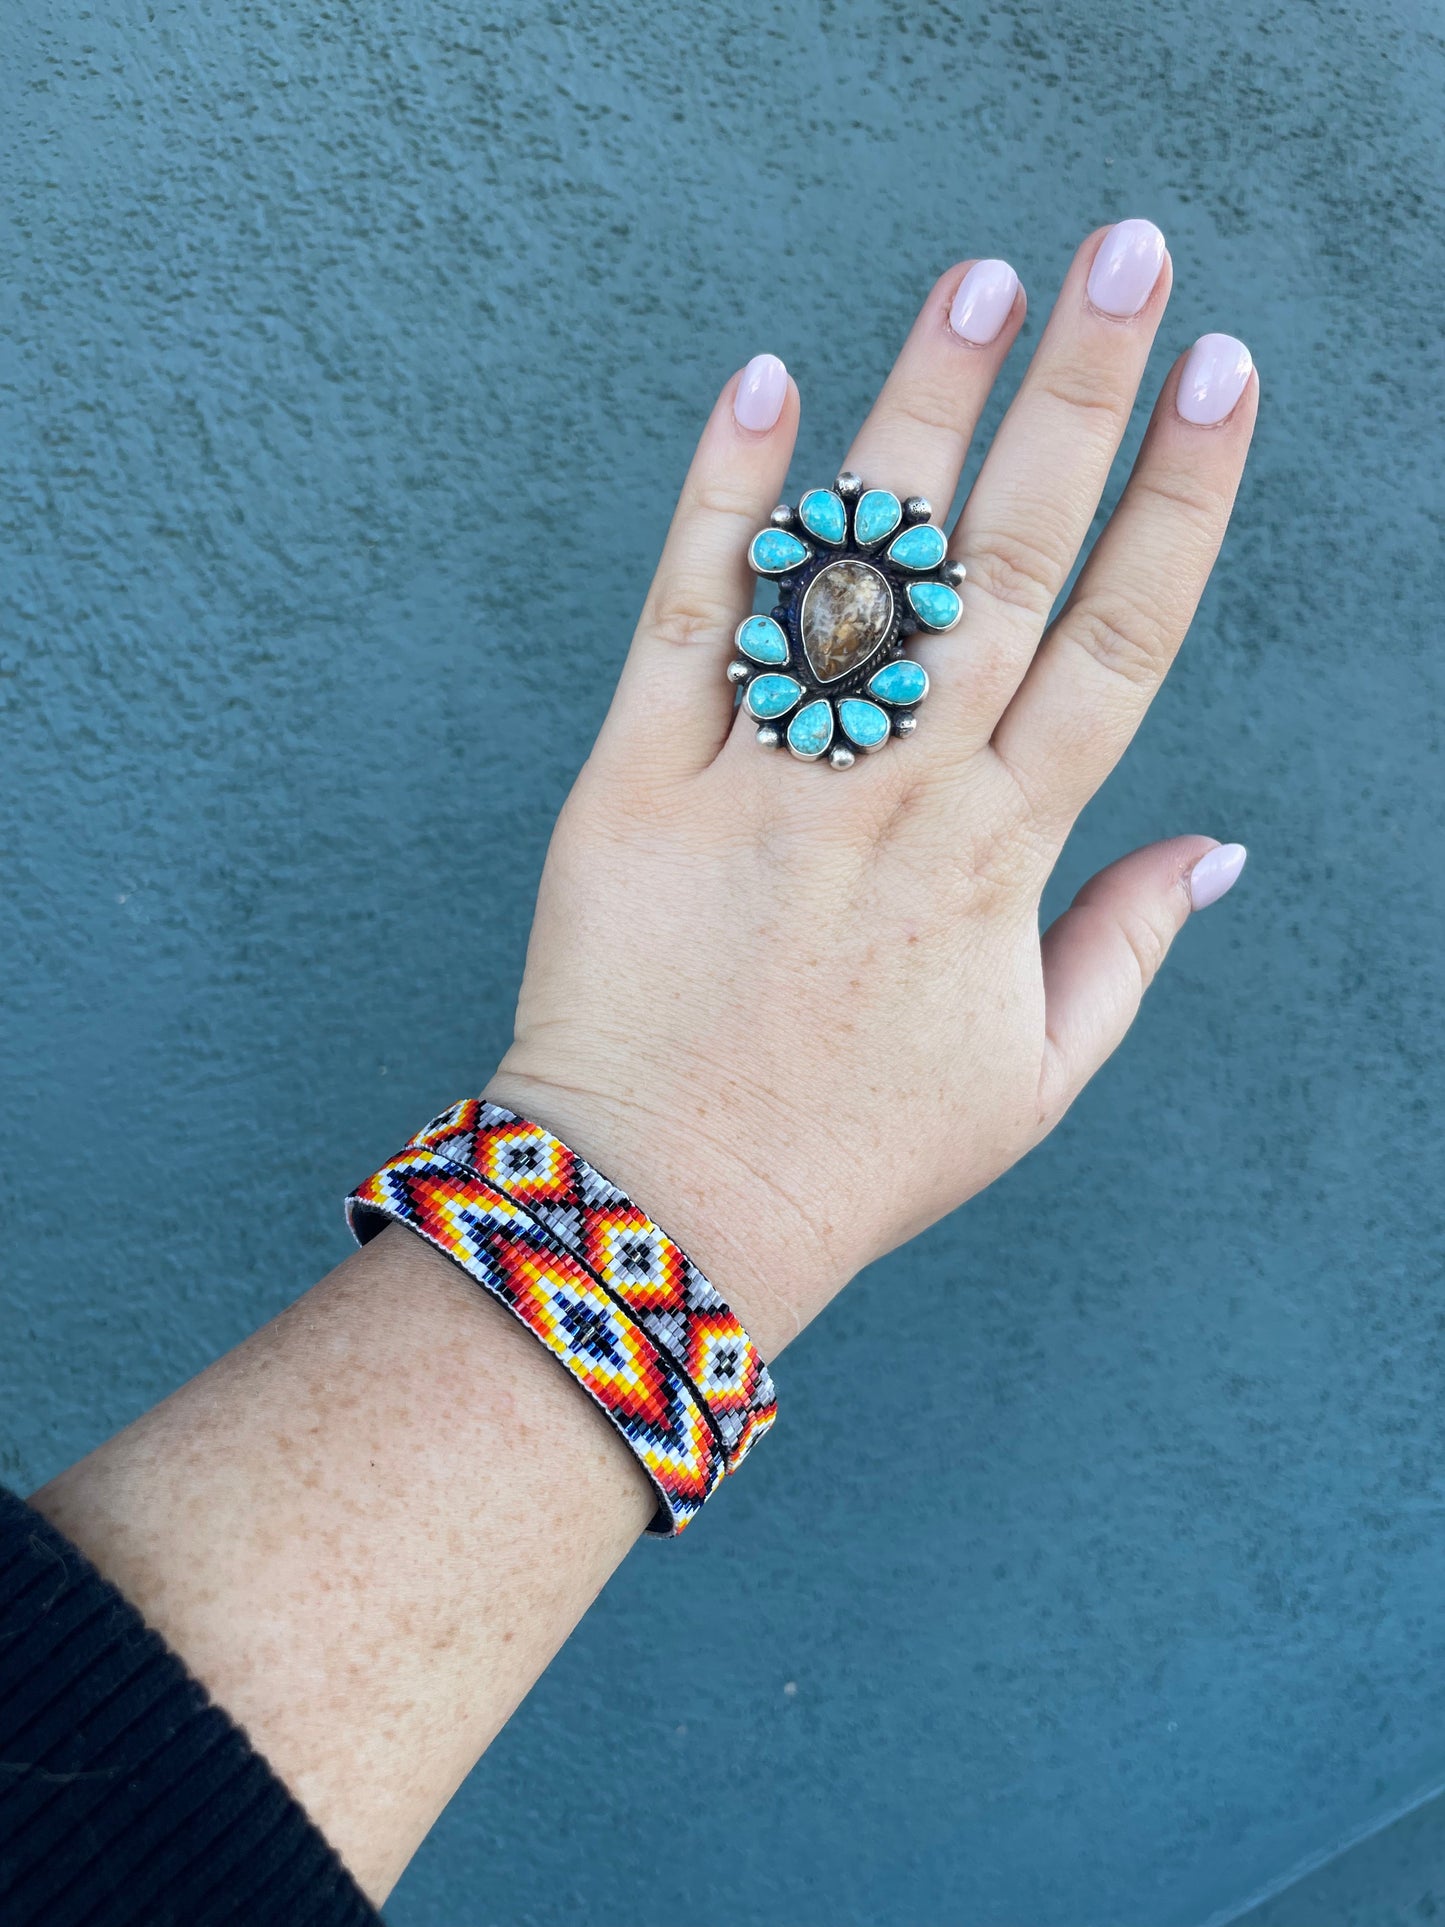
(604, 1288)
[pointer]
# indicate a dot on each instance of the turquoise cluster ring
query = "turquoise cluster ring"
(857, 573)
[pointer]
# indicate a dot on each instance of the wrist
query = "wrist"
(758, 1248)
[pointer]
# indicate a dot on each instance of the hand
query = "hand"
(801, 1014)
(797, 1013)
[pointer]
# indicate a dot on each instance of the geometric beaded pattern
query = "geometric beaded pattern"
(609, 1294)
(512, 1255)
(600, 1225)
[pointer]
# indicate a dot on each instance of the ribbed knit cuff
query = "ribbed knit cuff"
(127, 1799)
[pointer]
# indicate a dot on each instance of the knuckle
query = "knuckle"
(1012, 570)
(1088, 388)
(682, 621)
(1147, 942)
(980, 882)
(1183, 500)
(726, 500)
(1121, 636)
(921, 409)
(992, 870)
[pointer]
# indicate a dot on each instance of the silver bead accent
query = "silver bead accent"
(840, 756)
(905, 725)
(769, 736)
(918, 508)
(783, 517)
(952, 573)
(739, 671)
(849, 485)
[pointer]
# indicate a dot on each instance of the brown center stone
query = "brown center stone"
(847, 611)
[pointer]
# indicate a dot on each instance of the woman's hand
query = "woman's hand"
(799, 1015)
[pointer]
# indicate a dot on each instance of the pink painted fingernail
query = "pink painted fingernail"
(1213, 379)
(761, 392)
(1126, 268)
(983, 303)
(1216, 872)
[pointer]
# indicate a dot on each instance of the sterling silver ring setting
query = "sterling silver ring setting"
(857, 573)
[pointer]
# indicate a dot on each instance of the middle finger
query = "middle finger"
(916, 435)
(1030, 509)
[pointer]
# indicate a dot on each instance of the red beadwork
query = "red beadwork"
(603, 1287)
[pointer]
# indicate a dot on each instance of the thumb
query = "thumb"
(1102, 954)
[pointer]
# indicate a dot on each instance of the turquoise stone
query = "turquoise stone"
(762, 639)
(878, 514)
(822, 513)
(921, 547)
(770, 696)
(811, 730)
(935, 604)
(863, 723)
(774, 552)
(903, 682)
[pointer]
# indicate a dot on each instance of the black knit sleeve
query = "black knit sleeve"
(127, 1799)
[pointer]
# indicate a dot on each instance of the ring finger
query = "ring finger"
(1111, 646)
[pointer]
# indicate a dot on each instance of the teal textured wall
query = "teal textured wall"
(1122, 1596)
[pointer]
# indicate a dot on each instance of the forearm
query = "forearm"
(798, 1017)
(367, 1530)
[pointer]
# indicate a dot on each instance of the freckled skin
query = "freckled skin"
(361, 1542)
(809, 1014)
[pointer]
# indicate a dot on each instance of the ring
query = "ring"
(857, 572)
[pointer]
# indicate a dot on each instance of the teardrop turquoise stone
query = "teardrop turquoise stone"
(811, 730)
(863, 723)
(878, 514)
(762, 639)
(822, 513)
(903, 682)
(935, 603)
(770, 696)
(921, 547)
(774, 552)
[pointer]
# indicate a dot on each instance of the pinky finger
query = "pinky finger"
(1103, 953)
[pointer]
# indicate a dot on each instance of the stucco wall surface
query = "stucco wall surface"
(1124, 1594)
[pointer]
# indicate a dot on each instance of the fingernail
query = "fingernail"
(1213, 379)
(1216, 872)
(1126, 268)
(984, 302)
(761, 392)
